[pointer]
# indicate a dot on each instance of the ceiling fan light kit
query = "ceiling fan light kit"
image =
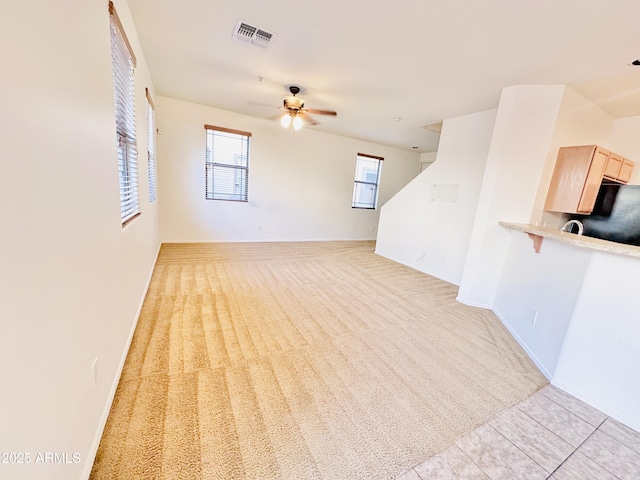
(286, 120)
(291, 119)
(295, 112)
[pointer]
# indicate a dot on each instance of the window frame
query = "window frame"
(123, 63)
(211, 164)
(358, 183)
(151, 146)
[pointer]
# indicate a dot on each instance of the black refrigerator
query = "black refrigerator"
(616, 215)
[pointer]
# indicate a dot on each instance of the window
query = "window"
(227, 164)
(123, 62)
(365, 187)
(151, 146)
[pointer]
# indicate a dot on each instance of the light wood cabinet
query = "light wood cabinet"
(612, 170)
(578, 174)
(625, 171)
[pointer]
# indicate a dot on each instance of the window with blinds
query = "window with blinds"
(151, 146)
(365, 187)
(227, 164)
(123, 62)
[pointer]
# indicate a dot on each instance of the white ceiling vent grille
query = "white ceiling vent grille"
(247, 33)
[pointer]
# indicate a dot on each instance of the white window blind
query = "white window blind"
(151, 146)
(123, 62)
(365, 187)
(227, 164)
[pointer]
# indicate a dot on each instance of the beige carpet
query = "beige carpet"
(312, 360)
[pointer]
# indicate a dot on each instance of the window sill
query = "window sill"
(131, 219)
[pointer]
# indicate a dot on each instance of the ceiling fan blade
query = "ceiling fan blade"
(321, 112)
(307, 119)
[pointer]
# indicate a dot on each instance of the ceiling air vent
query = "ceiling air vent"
(252, 34)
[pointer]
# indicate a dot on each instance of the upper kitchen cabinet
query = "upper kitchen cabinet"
(618, 168)
(626, 169)
(578, 174)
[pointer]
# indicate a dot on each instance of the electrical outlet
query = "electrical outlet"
(259, 227)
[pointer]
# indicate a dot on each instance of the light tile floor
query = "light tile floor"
(550, 435)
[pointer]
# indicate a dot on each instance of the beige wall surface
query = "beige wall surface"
(579, 122)
(300, 184)
(71, 278)
(521, 137)
(625, 140)
(429, 230)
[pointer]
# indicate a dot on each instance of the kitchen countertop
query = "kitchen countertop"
(574, 239)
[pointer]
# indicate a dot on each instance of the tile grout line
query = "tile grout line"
(499, 433)
(518, 448)
(552, 473)
(578, 447)
(547, 428)
(461, 450)
(616, 439)
(572, 413)
(473, 461)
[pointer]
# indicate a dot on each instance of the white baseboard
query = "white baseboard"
(630, 422)
(606, 409)
(474, 304)
(415, 267)
(86, 472)
(524, 346)
(273, 240)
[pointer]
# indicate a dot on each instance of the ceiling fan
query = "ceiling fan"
(296, 114)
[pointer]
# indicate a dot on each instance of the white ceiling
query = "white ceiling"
(375, 61)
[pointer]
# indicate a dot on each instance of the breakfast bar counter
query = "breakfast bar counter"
(574, 239)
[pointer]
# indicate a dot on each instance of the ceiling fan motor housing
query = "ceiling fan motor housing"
(293, 103)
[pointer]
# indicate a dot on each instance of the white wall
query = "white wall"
(432, 235)
(601, 353)
(586, 322)
(71, 278)
(300, 185)
(579, 122)
(586, 334)
(426, 160)
(625, 140)
(519, 147)
(537, 293)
